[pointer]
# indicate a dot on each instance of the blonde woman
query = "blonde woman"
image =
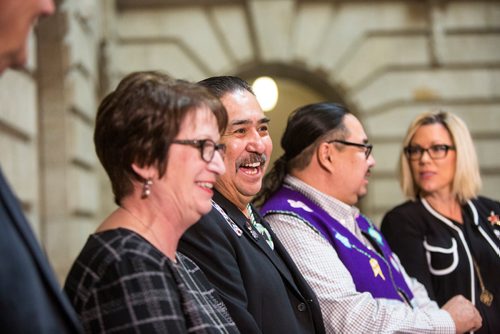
(446, 235)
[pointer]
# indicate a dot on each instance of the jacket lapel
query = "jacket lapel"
(278, 257)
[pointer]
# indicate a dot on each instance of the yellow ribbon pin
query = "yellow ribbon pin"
(376, 268)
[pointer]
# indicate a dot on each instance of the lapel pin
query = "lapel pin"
(494, 219)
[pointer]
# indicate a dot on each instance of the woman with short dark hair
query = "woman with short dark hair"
(157, 139)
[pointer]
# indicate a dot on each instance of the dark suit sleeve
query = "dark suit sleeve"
(30, 297)
(209, 244)
(405, 236)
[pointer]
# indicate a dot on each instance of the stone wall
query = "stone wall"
(387, 60)
(19, 137)
(46, 127)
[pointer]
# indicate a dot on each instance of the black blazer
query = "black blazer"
(30, 297)
(435, 250)
(262, 289)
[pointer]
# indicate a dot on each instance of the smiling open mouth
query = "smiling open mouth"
(251, 168)
(253, 164)
(206, 185)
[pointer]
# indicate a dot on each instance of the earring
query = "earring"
(146, 188)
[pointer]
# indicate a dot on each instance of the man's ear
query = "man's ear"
(324, 156)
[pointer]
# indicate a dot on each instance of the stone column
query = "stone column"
(68, 75)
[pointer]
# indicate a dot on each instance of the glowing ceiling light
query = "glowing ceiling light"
(266, 91)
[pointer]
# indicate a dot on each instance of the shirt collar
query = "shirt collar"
(343, 212)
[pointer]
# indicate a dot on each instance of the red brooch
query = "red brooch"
(494, 219)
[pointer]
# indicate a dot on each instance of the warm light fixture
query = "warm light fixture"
(266, 91)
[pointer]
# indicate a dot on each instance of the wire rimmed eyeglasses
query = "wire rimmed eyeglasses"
(207, 147)
(368, 147)
(435, 151)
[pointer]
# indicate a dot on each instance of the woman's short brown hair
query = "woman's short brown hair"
(137, 122)
(467, 180)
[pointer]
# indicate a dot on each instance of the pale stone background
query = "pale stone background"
(387, 60)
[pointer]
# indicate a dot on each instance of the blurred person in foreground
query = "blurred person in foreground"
(31, 300)
(17, 19)
(310, 197)
(256, 278)
(446, 235)
(157, 138)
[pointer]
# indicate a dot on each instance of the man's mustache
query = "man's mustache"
(251, 159)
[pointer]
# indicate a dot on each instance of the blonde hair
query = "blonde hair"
(467, 180)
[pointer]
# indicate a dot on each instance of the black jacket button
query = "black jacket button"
(302, 307)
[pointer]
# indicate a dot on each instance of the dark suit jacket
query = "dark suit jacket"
(262, 289)
(31, 300)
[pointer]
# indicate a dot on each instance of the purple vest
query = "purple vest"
(376, 272)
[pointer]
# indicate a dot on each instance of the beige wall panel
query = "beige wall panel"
(106, 197)
(83, 48)
(353, 20)
(88, 12)
(232, 24)
(394, 122)
(273, 26)
(26, 171)
(82, 191)
(309, 29)
(56, 195)
(66, 239)
(426, 85)
(491, 186)
(479, 118)
(487, 154)
(376, 217)
(21, 167)
(168, 58)
(31, 61)
(383, 193)
(191, 26)
(8, 163)
(19, 149)
(386, 155)
(55, 145)
(376, 53)
(117, 75)
(472, 14)
(80, 141)
(471, 49)
(81, 93)
(18, 106)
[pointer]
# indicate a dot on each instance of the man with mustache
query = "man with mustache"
(309, 200)
(235, 248)
(31, 300)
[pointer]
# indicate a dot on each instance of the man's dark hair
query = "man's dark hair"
(221, 85)
(306, 127)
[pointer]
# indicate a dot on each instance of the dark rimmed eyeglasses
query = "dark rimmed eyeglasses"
(207, 147)
(368, 147)
(435, 151)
